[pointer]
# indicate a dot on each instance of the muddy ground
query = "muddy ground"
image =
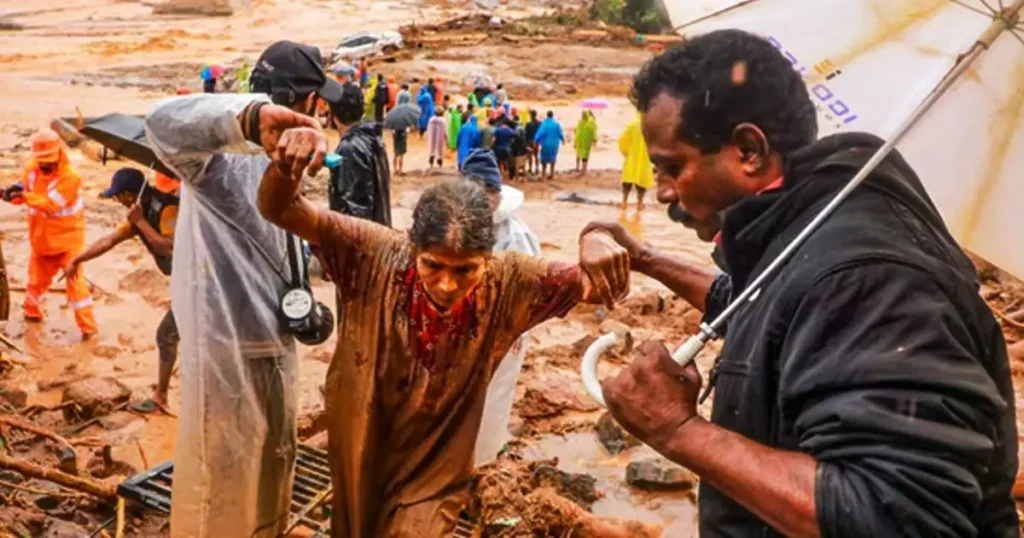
(97, 56)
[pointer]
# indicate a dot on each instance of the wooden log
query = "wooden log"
(85, 485)
(590, 34)
(21, 424)
(665, 39)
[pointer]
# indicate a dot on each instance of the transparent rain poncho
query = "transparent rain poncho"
(512, 234)
(235, 449)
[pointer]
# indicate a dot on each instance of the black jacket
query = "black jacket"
(361, 186)
(871, 351)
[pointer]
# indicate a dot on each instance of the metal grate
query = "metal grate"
(311, 490)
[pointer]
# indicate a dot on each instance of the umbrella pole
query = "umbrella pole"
(1006, 20)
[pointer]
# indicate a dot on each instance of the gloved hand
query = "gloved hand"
(13, 191)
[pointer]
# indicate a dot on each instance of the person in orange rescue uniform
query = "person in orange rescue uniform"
(50, 187)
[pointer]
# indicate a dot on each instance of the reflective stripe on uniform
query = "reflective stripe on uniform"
(78, 305)
(56, 197)
(31, 299)
(68, 211)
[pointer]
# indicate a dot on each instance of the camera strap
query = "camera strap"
(298, 270)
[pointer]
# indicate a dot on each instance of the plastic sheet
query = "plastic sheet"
(236, 441)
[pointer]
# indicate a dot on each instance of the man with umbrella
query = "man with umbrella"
(152, 217)
(865, 390)
(51, 189)
(233, 275)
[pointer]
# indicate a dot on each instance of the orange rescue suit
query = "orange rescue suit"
(56, 229)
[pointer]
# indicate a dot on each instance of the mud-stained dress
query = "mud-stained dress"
(406, 388)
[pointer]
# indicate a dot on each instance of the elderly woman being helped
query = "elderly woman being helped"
(428, 315)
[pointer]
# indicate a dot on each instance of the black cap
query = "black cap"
(129, 180)
(288, 71)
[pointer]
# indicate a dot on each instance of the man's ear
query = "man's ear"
(753, 146)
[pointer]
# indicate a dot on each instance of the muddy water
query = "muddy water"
(582, 453)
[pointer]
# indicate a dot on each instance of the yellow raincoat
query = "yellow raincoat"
(637, 169)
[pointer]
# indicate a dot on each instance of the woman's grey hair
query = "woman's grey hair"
(457, 215)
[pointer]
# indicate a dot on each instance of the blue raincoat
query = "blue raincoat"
(426, 103)
(549, 136)
(469, 139)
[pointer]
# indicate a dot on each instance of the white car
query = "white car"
(366, 44)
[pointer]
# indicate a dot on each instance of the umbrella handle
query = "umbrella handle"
(683, 356)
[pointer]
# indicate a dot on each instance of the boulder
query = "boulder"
(95, 396)
(659, 474)
(613, 438)
(13, 395)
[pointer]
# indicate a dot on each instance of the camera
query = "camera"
(308, 320)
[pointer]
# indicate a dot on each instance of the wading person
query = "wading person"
(866, 391)
(585, 139)
(152, 216)
(637, 171)
(549, 138)
(427, 315)
(50, 188)
(235, 450)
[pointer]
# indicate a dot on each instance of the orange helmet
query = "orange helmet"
(46, 146)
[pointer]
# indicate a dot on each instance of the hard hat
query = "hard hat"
(46, 146)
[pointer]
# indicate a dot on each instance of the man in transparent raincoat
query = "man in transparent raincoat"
(235, 450)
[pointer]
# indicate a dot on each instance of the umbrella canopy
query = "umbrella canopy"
(402, 117)
(870, 63)
(211, 71)
(126, 136)
(594, 104)
(343, 69)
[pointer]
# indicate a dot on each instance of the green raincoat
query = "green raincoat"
(586, 135)
(454, 124)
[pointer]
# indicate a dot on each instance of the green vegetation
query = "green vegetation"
(644, 16)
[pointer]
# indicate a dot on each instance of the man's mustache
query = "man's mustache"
(678, 214)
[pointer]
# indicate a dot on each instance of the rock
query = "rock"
(659, 474)
(47, 502)
(93, 396)
(13, 477)
(580, 346)
(68, 460)
(553, 395)
(691, 321)
(13, 395)
(579, 488)
(125, 340)
(613, 438)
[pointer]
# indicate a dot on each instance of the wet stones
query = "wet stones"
(613, 438)
(579, 488)
(14, 396)
(659, 474)
(93, 397)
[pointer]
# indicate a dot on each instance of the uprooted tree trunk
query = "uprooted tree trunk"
(103, 491)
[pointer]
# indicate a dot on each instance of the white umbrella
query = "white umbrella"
(942, 80)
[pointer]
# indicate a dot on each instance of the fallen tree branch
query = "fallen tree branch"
(35, 491)
(84, 485)
(17, 422)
